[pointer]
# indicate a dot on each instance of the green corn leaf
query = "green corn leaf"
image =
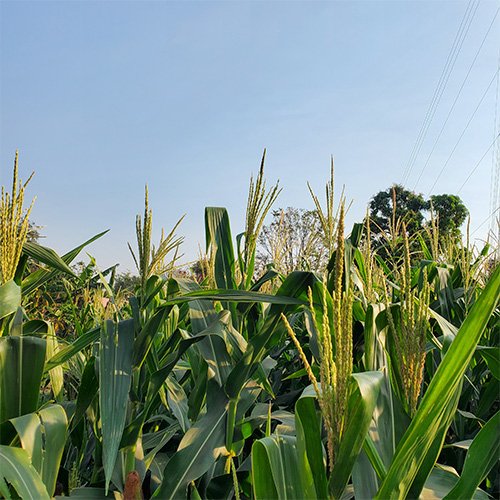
(197, 451)
(36, 327)
(269, 275)
(177, 401)
(365, 388)
(201, 312)
(219, 240)
(87, 391)
(309, 446)
(153, 286)
(205, 320)
(197, 395)
(430, 456)
(294, 287)
(237, 296)
(146, 336)
(16, 324)
(434, 407)
(46, 256)
(491, 356)
(379, 446)
(88, 493)
(375, 460)
(22, 360)
(277, 471)
(177, 347)
(75, 347)
(10, 298)
(441, 480)
(56, 374)
(218, 237)
(43, 436)
(482, 456)
(38, 278)
(158, 440)
(115, 375)
(221, 347)
(17, 470)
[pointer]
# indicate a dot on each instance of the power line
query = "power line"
(443, 81)
(456, 98)
(485, 221)
(441, 78)
(463, 131)
(495, 157)
(437, 92)
(478, 163)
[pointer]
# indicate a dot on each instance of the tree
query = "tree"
(397, 204)
(292, 241)
(397, 207)
(450, 213)
(126, 281)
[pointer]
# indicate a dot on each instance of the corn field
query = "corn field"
(370, 378)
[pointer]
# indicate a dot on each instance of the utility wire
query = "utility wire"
(439, 84)
(443, 81)
(485, 221)
(478, 163)
(463, 131)
(456, 98)
(426, 117)
(495, 157)
(442, 78)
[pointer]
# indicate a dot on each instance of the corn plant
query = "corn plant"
(378, 379)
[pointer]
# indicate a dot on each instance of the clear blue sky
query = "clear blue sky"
(103, 97)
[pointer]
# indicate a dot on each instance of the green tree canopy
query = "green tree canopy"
(395, 206)
(450, 213)
(397, 203)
